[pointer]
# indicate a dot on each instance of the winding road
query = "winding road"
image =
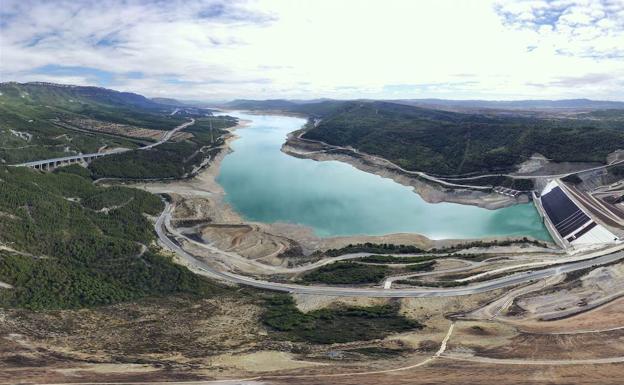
(449, 181)
(162, 140)
(203, 268)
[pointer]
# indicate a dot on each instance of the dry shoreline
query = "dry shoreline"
(211, 196)
(429, 192)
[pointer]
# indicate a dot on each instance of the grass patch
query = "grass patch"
(386, 248)
(391, 259)
(74, 169)
(421, 267)
(346, 273)
(381, 248)
(379, 352)
(328, 326)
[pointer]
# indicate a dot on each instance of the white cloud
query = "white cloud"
(321, 48)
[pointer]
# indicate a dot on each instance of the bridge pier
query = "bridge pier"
(50, 164)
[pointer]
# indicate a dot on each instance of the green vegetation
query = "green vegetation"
(374, 248)
(483, 244)
(448, 143)
(387, 248)
(169, 160)
(97, 103)
(31, 117)
(328, 326)
(350, 273)
(573, 179)
(421, 267)
(617, 170)
(317, 108)
(346, 273)
(390, 259)
(74, 169)
(71, 253)
(380, 352)
(503, 181)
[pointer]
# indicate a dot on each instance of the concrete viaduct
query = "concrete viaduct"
(50, 164)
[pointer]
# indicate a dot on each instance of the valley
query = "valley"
(195, 260)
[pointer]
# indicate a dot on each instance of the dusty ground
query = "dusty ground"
(125, 129)
(190, 338)
(606, 317)
(597, 287)
(202, 339)
(449, 372)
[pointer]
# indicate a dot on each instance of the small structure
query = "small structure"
(507, 191)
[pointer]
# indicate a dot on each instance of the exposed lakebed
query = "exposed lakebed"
(335, 199)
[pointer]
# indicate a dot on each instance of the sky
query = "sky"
(267, 49)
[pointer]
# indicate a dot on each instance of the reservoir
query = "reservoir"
(335, 199)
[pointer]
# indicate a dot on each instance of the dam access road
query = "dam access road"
(557, 267)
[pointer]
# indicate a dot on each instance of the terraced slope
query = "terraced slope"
(39, 120)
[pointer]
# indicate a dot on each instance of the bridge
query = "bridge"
(50, 164)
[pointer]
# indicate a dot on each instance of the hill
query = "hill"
(449, 143)
(43, 120)
(515, 104)
(71, 96)
(68, 243)
(314, 108)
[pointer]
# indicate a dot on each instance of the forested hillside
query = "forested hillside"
(169, 160)
(42, 121)
(447, 143)
(66, 243)
(37, 120)
(316, 108)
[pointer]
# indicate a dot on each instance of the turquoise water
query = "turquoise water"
(333, 198)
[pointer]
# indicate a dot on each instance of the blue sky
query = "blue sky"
(213, 49)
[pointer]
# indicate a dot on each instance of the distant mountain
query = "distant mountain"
(316, 107)
(45, 113)
(515, 104)
(527, 108)
(272, 104)
(59, 94)
(169, 102)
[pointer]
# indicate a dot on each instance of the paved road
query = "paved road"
(549, 176)
(68, 158)
(164, 139)
(523, 361)
(480, 287)
(447, 181)
(394, 165)
(169, 134)
(269, 377)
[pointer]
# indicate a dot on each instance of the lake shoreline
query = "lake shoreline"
(204, 189)
(428, 191)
